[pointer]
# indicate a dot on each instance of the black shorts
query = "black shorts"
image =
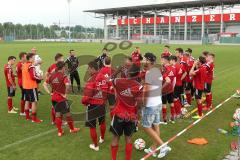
(188, 86)
(111, 99)
(120, 126)
(11, 91)
(198, 94)
(22, 92)
(94, 113)
(31, 95)
(168, 98)
(61, 107)
(38, 81)
(178, 90)
(207, 87)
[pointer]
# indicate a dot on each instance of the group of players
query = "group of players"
(135, 92)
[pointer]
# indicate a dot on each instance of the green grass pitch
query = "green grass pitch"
(20, 139)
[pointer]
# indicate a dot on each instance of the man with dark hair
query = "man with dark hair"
(100, 59)
(58, 58)
(166, 51)
(198, 72)
(209, 79)
(60, 84)
(73, 64)
(23, 59)
(179, 53)
(125, 112)
(205, 54)
(95, 102)
(152, 104)
(29, 79)
(136, 56)
(10, 82)
(106, 86)
(169, 80)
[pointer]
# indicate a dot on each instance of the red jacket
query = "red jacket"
(92, 94)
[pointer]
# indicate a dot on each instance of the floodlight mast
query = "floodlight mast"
(69, 21)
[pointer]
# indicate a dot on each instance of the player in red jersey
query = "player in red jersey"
(106, 86)
(136, 56)
(209, 78)
(166, 51)
(51, 70)
(10, 82)
(198, 72)
(60, 85)
(23, 59)
(127, 64)
(189, 89)
(95, 102)
(179, 54)
(169, 80)
(128, 92)
(178, 89)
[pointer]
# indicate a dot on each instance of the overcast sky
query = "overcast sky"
(48, 12)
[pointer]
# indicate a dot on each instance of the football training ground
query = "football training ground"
(23, 140)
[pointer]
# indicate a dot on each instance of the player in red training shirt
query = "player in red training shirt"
(198, 72)
(128, 92)
(51, 70)
(95, 102)
(127, 64)
(136, 56)
(10, 82)
(209, 78)
(169, 80)
(179, 54)
(106, 86)
(189, 89)
(60, 85)
(23, 59)
(178, 89)
(166, 51)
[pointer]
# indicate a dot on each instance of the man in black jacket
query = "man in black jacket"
(101, 58)
(73, 64)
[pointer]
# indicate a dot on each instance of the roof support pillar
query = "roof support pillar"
(169, 26)
(141, 27)
(222, 23)
(185, 25)
(105, 27)
(155, 24)
(117, 27)
(203, 24)
(129, 27)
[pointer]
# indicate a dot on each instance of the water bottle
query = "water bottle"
(222, 131)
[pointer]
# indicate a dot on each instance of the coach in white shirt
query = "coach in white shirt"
(152, 101)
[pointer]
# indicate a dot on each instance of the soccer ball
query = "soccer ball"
(184, 111)
(139, 144)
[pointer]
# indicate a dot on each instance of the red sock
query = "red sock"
(199, 109)
(128, 151)
(114, 150)
(176, 107)
(189, 98)
(30, 105)
(179, 106)
(58, 122)
(209, 100)
(22, 104)
(164, 112)
(27, 113)
(10, 105)
(70, 122)
(53, 114)
(93, 134)
(103, 130)
(172, 111)
(34, 116)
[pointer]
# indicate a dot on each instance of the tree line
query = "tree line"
(39, 31)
